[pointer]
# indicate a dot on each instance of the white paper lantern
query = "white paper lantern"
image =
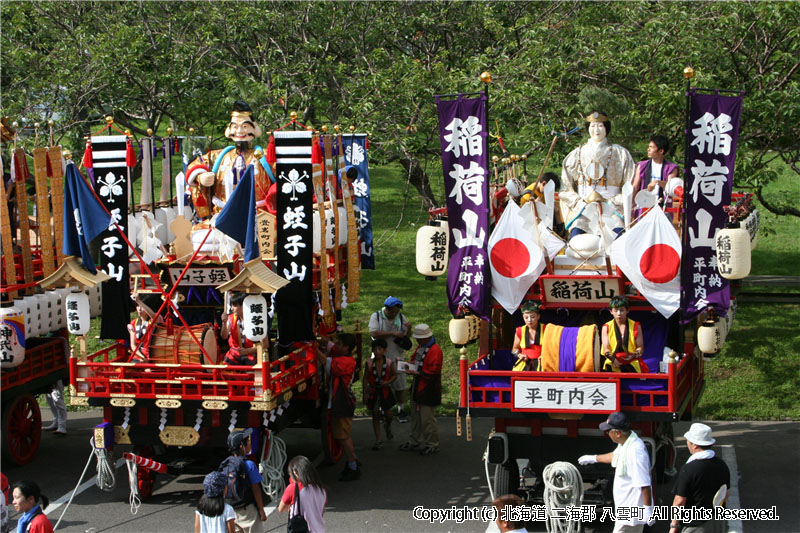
(255, 317)
(58, 309)
(77, 309)
(24, 305)
(733, 253)
(464, 330)
(40, 315)
(432, 245)
(330, 228)
(95, 300)
(12, 337)
(709, 337)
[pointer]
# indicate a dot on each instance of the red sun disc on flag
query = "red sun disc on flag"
(660, 263)
(510, 257)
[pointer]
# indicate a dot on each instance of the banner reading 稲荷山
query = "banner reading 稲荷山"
(463, 135)
(711, 155)
(355, 153)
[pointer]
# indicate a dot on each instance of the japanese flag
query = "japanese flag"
(515, 259)
(650, 256)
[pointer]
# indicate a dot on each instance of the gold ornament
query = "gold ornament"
(293, 115)
(258, 154)
(495, 159)
(109, 119)
(128, 133)
(324, 128)
(524, 157)
(336, 128)
(596, 117)
(150, 132)
(352, 128)
(191, 131)
(688, 73)
(486, 77)
(50, 122)
(169, 132)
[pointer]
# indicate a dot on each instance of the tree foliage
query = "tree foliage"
(378, 65)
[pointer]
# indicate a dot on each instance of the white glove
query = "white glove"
(648, 515)
(584, 460)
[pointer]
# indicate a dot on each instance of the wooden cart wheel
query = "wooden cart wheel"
(22, 428)
(145, 479)
(330, 447)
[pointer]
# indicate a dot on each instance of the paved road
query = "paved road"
(767, 457)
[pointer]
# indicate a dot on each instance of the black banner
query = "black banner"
(111, 186)
(294, 303)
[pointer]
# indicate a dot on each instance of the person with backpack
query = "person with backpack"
(213, 515)
(304, 497)
(340, 368)
(243, 484)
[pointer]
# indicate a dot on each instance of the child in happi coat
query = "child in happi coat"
(623, 344)
(242, 351)
(379, 374)
(528, 338)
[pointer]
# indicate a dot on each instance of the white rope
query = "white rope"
(106, 473)
(486, 465)
(272, 467)
(85, 468)
(563, 486)
(133, 483)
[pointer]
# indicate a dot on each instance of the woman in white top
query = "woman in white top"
(213, 515)
(312, 495)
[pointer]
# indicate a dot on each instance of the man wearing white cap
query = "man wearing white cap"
(426, 392)
(700, 482)
(632, 489)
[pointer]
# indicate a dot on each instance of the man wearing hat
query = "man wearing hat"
(632, 476)
(390, 325)
(426, 392)
(700, 482)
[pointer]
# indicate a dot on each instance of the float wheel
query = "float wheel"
(145, 479)
(22, 427)
(506, 478)
(330, 447)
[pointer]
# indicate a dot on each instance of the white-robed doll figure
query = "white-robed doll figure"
(212, 177)
(593, 175)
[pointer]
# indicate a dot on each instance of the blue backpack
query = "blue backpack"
(240, 493)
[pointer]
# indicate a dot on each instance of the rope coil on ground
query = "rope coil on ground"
(563, 487)
(272, 468)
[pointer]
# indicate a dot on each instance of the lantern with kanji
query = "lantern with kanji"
(77, 313)
(12, 337)
(464, 330)
(432, 243)
(733, 252)
(255, 317)
(710, 336)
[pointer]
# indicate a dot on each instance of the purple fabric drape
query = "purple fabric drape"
(463, 134)
(713, 135)
(568, 345)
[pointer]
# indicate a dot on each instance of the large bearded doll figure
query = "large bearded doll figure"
(212, 177)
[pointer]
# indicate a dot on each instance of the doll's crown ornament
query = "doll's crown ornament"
(596, 117)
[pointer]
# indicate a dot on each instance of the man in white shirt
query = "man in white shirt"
(390, 325)
(632, 477)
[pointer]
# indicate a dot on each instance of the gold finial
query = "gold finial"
(524, 157)
(505, 160)
(462, 352)
(688, 73)
(67, 154)
(191, 131)
(258, 154)
(336, 128)
(515, 158)
(495, 159)
(169, 132)
(109, 119)
(324, 128)
(309, 127)
(486, 77)
(352, 128)
(128, 133)
(150, 131)
(293, 115)
(50, 122)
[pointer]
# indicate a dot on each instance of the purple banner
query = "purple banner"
(463, 135)
(711, 155)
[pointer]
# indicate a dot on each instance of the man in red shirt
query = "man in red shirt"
(426, 392)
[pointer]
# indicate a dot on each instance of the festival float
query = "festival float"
(283, 231)
(670, 253)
